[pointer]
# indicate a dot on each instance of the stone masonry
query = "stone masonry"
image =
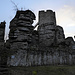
(50, 34)
(45, 46)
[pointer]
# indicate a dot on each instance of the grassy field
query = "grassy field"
(43, 70)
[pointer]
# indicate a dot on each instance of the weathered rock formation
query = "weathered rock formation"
(46, 46)
(21, 30)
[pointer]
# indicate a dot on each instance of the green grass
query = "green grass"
(43, 70)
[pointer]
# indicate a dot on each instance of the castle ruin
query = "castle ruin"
(45, 46)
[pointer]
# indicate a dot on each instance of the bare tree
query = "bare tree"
(16, 8)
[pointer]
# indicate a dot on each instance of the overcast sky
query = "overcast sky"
(65, 11)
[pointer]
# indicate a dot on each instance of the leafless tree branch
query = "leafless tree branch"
(14, 4)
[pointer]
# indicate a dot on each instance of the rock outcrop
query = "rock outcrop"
(21, 30)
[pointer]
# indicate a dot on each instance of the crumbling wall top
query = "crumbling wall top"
(47, 17)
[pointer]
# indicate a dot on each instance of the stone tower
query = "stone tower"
(50, 34)
(46, 29)
(47, 17)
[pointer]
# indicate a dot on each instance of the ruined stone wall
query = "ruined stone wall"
(34, 58)
(46, 35)
(46, 46)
